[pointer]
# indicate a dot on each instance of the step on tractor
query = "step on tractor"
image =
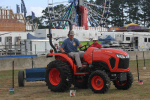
(102, 65)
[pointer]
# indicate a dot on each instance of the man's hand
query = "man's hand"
(62, 50)
(80, 45)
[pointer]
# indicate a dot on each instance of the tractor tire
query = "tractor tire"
(125, 84)
(82, 84)
(99, 82)
(21, 78)
(58, 76)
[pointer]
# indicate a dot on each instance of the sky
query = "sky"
(31, 5)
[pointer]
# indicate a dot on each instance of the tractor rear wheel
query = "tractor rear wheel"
(58, 76)
(124, 85)
(99, 82)
(21, 78)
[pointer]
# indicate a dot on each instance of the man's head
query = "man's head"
(95, 40)
(71, 35)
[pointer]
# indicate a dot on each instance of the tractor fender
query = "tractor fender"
(64, 56)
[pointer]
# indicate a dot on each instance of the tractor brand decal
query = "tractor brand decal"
(97, 50)
(108, 51)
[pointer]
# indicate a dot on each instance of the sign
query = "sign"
(134, 27)
(11, 90)
(113, 28)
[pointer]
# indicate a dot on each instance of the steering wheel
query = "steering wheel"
(84, 47)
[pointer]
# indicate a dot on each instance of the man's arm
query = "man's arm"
(62, 50)
(80, 45)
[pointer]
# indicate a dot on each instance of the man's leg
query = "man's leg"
(77, 58)
(81, 54)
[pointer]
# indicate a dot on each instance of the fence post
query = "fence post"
(45, 47)
(35, 49)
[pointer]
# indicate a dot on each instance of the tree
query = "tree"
(37, 20)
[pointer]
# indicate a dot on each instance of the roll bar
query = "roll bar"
(50, 33)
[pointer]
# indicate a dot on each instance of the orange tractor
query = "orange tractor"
(101, 67)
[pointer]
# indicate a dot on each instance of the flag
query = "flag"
(18, 9)
(22, 8)
(33, 16)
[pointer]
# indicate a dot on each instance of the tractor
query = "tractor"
(102, 65)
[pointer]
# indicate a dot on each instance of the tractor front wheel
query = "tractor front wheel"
(99, 82)
(124, 85)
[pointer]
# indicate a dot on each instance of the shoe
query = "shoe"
(82, 69)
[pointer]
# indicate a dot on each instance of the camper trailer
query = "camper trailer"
(141, 42)
(11, 40)
(80, 34)
(35, 46)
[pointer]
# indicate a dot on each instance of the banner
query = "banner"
(22, 8)
(18, 9)
(33, 16)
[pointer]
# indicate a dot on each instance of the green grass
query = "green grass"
(39, 90)
(85, 42)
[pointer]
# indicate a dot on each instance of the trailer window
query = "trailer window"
(53, 34)
(145, 39)
(148, 39)
(83, 34)
(127, 38)
(0, 39)
(77, 34)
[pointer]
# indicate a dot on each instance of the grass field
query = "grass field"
(85, 42)
(39, 91)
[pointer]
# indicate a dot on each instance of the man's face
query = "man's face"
(94, 41)
(71, 37)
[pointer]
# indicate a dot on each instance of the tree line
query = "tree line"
(121, 12)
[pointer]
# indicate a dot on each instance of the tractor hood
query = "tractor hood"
(106, 51)
(116, 51)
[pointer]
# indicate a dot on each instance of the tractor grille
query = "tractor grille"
(123, 63)
(112, 62)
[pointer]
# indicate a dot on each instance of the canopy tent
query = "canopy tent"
(108, 38)
(132, 24)
(30, 36)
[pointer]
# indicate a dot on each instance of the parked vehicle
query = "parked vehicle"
(109, 44)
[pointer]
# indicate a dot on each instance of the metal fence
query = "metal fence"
(11, 50)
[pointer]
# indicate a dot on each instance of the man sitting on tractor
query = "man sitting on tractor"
(70, 45)
(95, 44)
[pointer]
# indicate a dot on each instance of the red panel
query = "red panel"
(83, 11)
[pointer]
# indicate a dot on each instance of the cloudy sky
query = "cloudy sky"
(31, 5)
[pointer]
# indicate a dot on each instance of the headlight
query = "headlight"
(122, 56)
(128, 56)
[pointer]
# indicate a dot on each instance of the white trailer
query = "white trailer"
(141, 42)
(8, 39)
(80, 33)
(35, 46)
